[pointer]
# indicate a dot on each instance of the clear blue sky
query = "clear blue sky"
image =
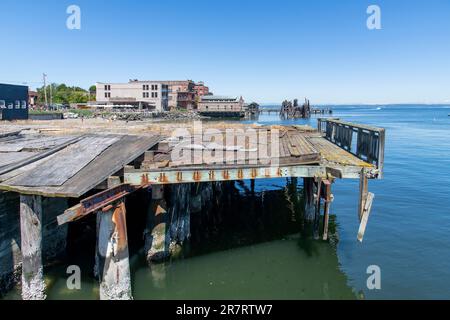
(263, 50)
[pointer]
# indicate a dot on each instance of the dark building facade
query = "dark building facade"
(13, 102)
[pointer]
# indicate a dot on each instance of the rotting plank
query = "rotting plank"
(32, 143)
(7, 171)
(67, 162)
(113, 159)
(7, 158)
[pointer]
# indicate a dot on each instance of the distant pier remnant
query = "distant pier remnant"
(292, 110)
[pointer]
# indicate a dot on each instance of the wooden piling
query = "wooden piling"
(365, 204)
(365, 216)
(308, 192)
(326, 209)
(317, 209)
(113, 256)
(156, 244)
(363, 191)
(33, 286)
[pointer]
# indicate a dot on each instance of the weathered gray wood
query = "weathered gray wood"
(33, 286)
(363, 191)
(365, 217)
(106, 164)
(156, 244)
(32, 143)
(326, 210)
(7, 158)
(66, 163)
(7, 170)
(112, 254)
(381, 146)
(5, 134)
(317, 209)
(308, 193)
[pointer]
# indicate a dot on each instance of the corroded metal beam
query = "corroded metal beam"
(96, 202)
(187, 175)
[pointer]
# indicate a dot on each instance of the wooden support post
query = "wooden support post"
(156, 233)
(365, 204)
(326, 210)
(33, 286)
(308, 191)
(113, 257)
(363, 190)
(252, 187)
(317, 211)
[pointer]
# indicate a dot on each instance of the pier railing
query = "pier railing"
(365, 142)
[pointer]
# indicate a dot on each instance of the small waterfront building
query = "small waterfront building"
(201, 90)
(148, 95)
(13, 102)
(179, 93)
(221, 106)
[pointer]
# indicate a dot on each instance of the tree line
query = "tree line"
(63, 94)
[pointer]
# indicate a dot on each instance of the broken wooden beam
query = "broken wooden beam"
(365, 216)
(96, 202)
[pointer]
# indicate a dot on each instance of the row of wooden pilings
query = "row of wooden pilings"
(166, 228)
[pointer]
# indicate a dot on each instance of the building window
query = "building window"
(24, 104)
(2, 104)
(156, 94)
(106, 94)
(107, 87)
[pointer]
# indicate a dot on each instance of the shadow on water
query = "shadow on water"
(255, 246)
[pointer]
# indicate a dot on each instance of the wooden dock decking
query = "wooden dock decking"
(70, 166)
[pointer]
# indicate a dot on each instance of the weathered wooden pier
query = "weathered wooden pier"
(52, 181)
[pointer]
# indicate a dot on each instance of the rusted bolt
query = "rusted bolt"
(240, 174)
(279, 173)
(211, 175)
(179, 176)
(254, 174)
(162, 177)
(144, 179)
(196, 176)
(226, 174)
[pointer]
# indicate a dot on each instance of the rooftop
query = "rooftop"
(209, 98)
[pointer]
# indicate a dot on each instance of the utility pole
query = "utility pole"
(45, 88)
(51, 95)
